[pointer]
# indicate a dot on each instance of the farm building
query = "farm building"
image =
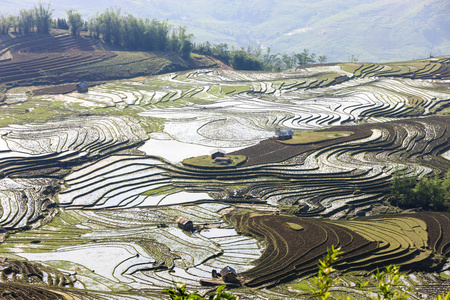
(185, 223)
(217, 153)
(228, 274)
(284, 134)
(82, 87)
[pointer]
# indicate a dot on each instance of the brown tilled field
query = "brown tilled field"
(386, 239)
(43, 59)
(271, 151)
(37, 57)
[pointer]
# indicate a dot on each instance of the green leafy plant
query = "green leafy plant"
(428, 193)
(222, 295)
(389, 281)
(323, 281)
(443, 296)
(391, 287)
(179, 292)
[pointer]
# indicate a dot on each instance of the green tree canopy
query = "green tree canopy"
(74, 21)
(428, 193)
(43, 17)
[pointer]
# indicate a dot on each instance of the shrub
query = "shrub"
(323, 281)
(432, 193)
(389, 281)
(179, 292)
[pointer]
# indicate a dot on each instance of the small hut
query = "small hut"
(284, 134)
(228, 274)
(83, 87)
(185, 223)
(217, 153)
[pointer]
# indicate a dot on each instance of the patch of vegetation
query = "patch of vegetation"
(205, 161)
(427, 193)
(294, 226)
(180, 292)
(418, 69)
(225, 89)
(163, 190)
(152, 124)
(350, 67)
(32, 111)
(416, 105)
(130, 64)
(302, 286)
(254, 58)
(201, 61)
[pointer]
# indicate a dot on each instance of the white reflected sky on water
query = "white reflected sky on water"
(176, 151)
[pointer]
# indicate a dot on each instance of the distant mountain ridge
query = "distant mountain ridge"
(368, 30)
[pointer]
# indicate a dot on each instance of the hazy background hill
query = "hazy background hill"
(370, 30)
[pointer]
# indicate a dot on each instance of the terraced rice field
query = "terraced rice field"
(37, 56)
(367, 243)
(90, 191)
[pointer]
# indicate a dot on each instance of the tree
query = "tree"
(5, 23)
(185, 43)
(174, 43)
(94, 26)
(116, 28)
(269, 60)
(26, 21)
(288, 61)
(322, 59)
(74, 21)
(305, 58)
(221, 52)
(13, 22)
(61, 24)
(242, 60)
(105, 21)
(402, 187)
(132, 32)
(431, 193)
(354, 58)
(43, 17)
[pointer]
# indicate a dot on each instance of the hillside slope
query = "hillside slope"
(37, 59)
(370, 30)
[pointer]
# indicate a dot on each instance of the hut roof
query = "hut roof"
(227, 270)
(83, 85)
(182, 220)
(285, 132)
(217, 151)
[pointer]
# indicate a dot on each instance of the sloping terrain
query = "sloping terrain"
(370, 30)
(38, 59)
(92, 183)
(409, 240)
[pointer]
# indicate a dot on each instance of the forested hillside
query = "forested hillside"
(125, 32)
(369, 30)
